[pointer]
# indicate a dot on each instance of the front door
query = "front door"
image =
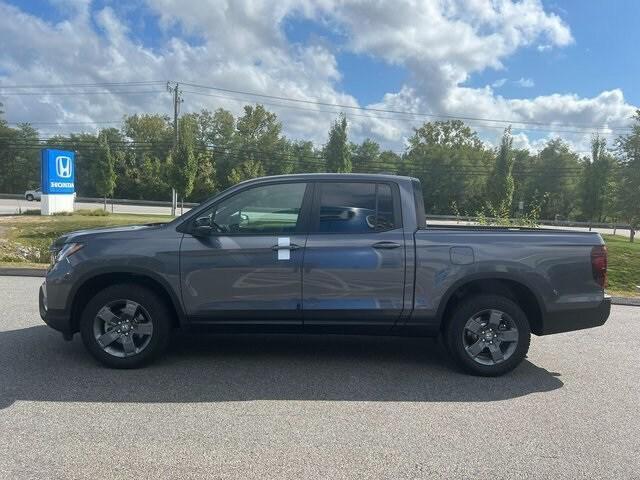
(354, 263)
(248, 268)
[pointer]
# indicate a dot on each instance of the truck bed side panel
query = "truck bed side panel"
(555, 266)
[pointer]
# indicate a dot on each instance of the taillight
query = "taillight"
(599, 264)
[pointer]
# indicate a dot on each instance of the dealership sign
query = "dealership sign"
(58, 171)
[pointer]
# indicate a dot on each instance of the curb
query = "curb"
(23, 272)
(635, 302)
(40, 272)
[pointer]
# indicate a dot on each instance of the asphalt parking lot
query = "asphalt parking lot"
(315, 407)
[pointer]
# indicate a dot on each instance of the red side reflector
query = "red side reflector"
(599, 264)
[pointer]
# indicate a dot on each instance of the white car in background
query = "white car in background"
(32, 195)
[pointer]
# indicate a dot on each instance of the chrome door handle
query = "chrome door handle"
(386, 245)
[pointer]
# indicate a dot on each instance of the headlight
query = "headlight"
(67, 250)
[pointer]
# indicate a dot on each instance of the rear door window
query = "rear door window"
(355, 207)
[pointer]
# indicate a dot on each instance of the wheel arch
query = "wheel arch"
(97, 281)
(517, 290)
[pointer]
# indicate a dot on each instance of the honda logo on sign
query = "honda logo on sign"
(63, 167)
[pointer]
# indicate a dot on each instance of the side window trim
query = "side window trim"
(314, 212)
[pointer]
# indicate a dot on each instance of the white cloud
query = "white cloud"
(241, 45)
(499, 83)
(525, 82)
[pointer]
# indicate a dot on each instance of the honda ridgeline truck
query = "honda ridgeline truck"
(324, 253)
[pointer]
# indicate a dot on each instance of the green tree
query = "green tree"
(449, 159)
(258, 138)
(306, 158)
(501, 186)
(629, 153)
(26, 159)
(555, 183)
(390, 161)
(523, 190)
(205, 178)
(102, 169)
(183, 159)
(337, 152)
(597, 181)
(365, 157)
(220, 136)
(144, 168)
(246, 171)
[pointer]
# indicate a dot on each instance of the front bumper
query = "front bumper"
(56, 319)
(577, 319)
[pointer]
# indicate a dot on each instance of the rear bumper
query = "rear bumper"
(56, 319)
(577, 319)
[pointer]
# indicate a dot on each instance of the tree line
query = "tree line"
(460, 174)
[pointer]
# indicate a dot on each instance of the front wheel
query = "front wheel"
(488, 335)
(125, 326)
(29, 198)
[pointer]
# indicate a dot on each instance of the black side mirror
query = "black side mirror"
(202, 226)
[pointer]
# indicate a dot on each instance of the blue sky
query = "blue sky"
(568, 62)
(604, 55)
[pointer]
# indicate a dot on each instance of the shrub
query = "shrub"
(97, 212)
(32, 211)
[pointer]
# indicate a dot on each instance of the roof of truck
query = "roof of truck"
(335, 176)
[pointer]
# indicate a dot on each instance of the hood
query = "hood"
(85, 235)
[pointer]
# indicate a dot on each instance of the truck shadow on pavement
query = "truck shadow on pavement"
(37, 365)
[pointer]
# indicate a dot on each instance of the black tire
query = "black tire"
(29, 198)
(456, 330)
(156, 309)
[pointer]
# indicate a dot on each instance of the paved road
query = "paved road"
(300, 407)
(9, 206)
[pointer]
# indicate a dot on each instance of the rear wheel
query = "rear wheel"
(125, 326)
(488, 335)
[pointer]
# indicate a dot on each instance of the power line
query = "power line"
(170, 143)
(97, 84)
(241, 154)
(375, 116)
(96, 122)
(403, 112)
(308, 102)
(108, 92)
(373, 166)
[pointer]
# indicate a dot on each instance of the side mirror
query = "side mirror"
(201, 226)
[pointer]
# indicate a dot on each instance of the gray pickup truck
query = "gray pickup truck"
(324, 253)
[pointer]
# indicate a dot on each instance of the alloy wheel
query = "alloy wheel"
(490, 337)
(122, 328)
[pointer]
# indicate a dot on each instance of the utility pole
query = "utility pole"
(177, 100)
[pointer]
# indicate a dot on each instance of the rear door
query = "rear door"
(248, 269)
(354, 262)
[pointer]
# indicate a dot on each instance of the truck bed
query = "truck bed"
(554, 265)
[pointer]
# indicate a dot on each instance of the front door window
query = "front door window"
(267, 210)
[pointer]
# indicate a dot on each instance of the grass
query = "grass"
(25, 239)
(624, 266)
